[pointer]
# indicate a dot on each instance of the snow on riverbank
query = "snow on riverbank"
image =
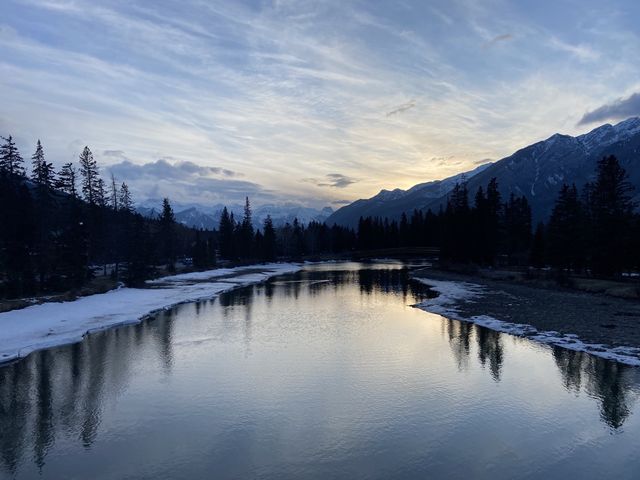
(451, 294)
(52, 324)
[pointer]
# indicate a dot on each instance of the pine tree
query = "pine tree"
(10, 159)
(66, 181)
(493, 208)
(226, 231)
(167, 233)
(100, 196)
(611, 209)
(517, 224)
(566, 232)
(269, 239)
(114, 194)
(90, 179)
(246, 231)
(42, 172)
(456, 242)
(125, 203)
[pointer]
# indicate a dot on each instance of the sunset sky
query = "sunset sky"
(316, 102)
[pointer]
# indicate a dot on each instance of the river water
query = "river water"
(328, 373)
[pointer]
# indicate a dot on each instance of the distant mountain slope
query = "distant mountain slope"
(537, 171)
(208, 218)
(393, 203)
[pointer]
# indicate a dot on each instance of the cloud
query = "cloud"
(581, 51)
(266, 86)
(334, 180)
(402, 108)
(616, 110)
(500, 38)
(186, 181)
(163, 168)
(114, 153)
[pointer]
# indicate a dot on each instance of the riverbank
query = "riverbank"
(600, 324)
(57, 323)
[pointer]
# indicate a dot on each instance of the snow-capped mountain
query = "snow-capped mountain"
(537, 171)
(207, 218)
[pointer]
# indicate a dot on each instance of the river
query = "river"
(326, 373)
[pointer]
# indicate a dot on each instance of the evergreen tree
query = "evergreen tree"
(125, 203)
(90, 179)
(567, 231)
(17, 237)
(611, 211)
(167, 234)
(456, 239)
(10, 159)
(491, 227)
(114, 194)
(66, 181)
(100, 193)
(269, 239)
(43, 252)
(226, 232)
(139, 252)
(246, 231)
(517, 229)
(42, 173)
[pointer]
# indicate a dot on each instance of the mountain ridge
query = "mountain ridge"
(208, 217)
(536, 171)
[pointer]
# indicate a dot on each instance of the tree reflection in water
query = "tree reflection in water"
(609, 382)
(61, 393)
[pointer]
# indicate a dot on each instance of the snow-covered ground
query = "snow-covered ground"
(51, 324)
(451, 294)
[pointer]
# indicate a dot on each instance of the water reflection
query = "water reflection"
(61, 392)
(61, 395)
(611, 383)
(614, 385)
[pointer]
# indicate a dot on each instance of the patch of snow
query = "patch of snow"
(452, 293)
(555, 178)
(608, 134)
(52, 324)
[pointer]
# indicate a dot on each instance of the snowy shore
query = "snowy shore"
(51, 324)
(453, 294)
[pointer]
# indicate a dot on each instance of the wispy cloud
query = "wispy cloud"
(286, 91)
(500, 38)
(402, 108)
(335, 180)
(616, 110)
(580, 51)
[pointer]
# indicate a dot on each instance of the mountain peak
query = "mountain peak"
(536, 171)
(629, 126)
(608, 134)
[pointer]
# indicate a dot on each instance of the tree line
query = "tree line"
(594, 230)
(62, 228)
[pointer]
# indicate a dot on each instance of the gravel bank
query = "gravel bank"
(594, 318)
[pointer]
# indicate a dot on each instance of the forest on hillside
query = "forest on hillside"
(62, 229)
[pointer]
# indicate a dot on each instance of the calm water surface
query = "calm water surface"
(328, 373)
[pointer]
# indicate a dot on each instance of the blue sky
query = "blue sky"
(319, 102)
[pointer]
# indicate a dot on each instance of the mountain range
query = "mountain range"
(207, 218)
(536, 171)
